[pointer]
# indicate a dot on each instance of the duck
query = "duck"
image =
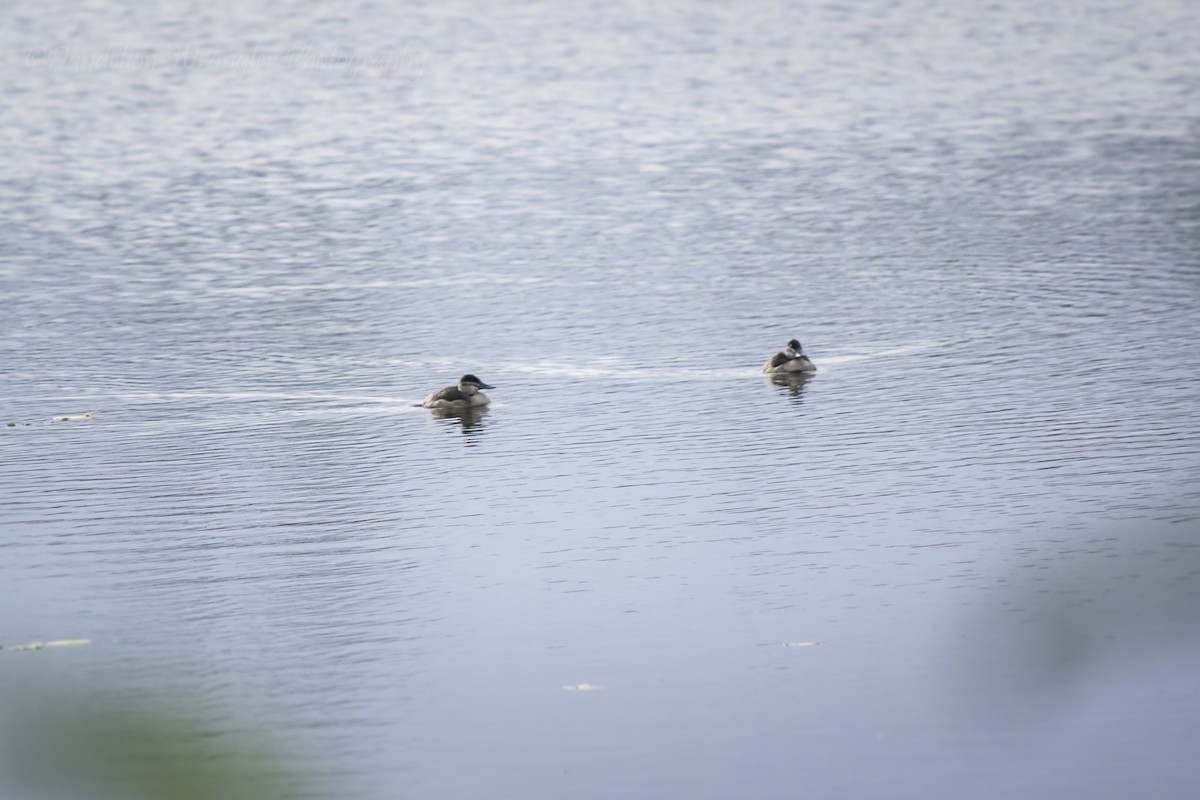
(791, 360)
(466, 395)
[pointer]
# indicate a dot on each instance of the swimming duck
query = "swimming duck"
(790, 360)
(465, 395)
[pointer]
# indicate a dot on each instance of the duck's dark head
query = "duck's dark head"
(471, 381)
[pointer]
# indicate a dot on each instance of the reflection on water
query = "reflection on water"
(793, 382)
(470, 419)
(614, 213)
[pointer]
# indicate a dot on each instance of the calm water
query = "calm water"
(254, 240)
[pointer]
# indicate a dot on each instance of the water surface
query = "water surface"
(253, 241)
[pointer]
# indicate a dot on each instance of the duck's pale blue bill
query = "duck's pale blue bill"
(486, 386)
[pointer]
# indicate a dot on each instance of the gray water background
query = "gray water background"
(254, 236)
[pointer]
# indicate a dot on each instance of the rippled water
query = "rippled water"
(254, 240)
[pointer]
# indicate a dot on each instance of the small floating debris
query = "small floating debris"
(583, 687)
(76, 417)
(800, 644)
(51, 643)
(86, 415)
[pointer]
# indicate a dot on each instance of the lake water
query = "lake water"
(962, 559)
